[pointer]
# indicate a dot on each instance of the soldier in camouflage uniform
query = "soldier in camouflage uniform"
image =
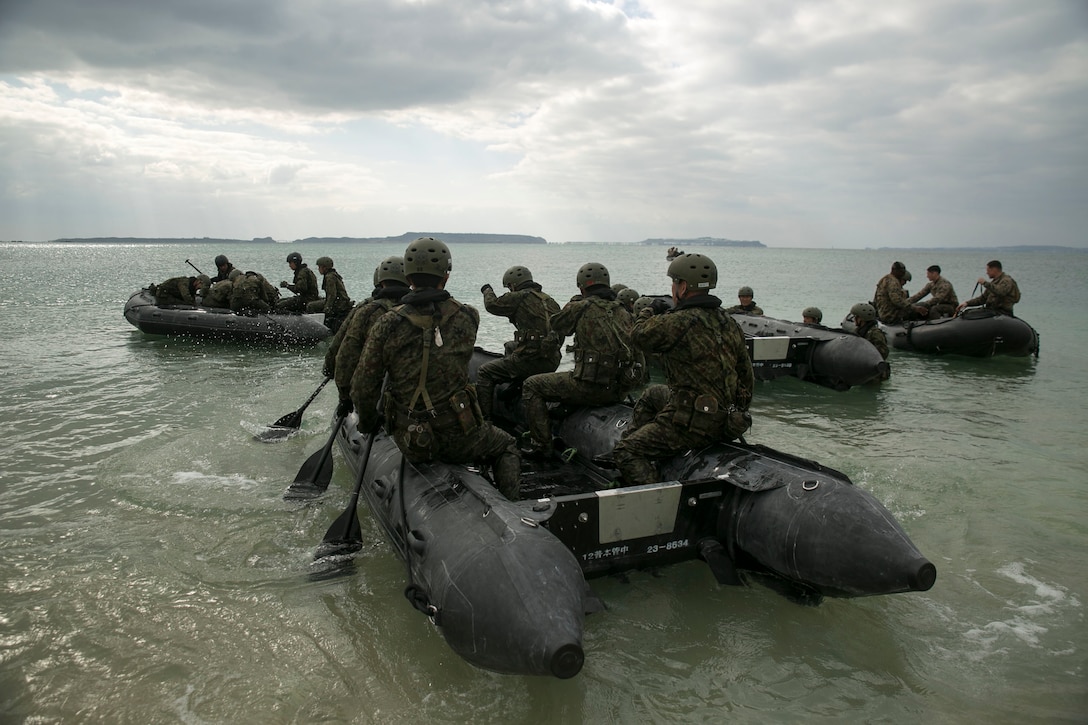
(535, 348)
(342, 358)
(708, 373)
(329, 367)
(178, 290)
(336, 304)
(424, 346)
(943, 301)
(303, 284)
(220, 293)
(890, 299)
(747, 305)
(252, 293)
(224, 267)
(604, 360)
(865, 325)
(812, 317)
(627, 297)
(999, 293)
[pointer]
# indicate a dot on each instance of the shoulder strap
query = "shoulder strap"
(430, 326)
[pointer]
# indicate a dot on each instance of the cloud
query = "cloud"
(801, 124)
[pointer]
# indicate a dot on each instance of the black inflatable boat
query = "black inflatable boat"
(977, 332)
(221, 324)
(504, 581)
(836, 359)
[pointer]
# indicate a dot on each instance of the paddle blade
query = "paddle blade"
(291, 420)
(336, 549)
(317, 470)
(274, 434)
(344, 537)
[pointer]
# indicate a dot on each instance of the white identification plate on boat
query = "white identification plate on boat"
(633, 513)
(770, 348)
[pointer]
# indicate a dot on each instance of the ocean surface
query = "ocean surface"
(150, 571)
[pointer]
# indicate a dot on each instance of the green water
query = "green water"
(151, 572)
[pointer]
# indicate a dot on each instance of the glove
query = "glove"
(660, 307)
(345, 407)
(283, 283)
(485, 288)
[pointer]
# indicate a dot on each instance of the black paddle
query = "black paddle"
(314, 476)
(344, 537)
(291, 422)
(193, 266)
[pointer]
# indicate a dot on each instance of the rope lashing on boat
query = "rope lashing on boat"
(414, 593)
(422, 602)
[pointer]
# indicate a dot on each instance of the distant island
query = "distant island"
(460, 238)
(701, 242)
(450, 237)
(1010, 248)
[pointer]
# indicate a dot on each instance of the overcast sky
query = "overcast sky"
(800, 124)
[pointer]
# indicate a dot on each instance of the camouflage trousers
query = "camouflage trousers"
(291, 304)
(485, 444)
(539, 390)
(941, 310)
(511, 368)
(653, 434)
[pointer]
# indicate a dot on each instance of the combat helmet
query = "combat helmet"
(627, 296)
(294, 257)
(391, 269)
(428, 255)
(221, 259)
(590, 274)
(516, 275)
(813, 312)
(698, 270)
(745, 291)
(863, 312)
(324, 262)
(642, 302)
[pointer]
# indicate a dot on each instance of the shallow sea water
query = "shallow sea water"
(151, 572)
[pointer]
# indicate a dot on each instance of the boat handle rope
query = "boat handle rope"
(413, 592)
(809, 485)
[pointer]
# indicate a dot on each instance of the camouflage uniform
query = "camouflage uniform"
(223, 275)
(535, 347)
(435, 418)
(329, 367)
(249, 294)
(353, 333)
(999, 294)
(174, 291)
(219, 295)
(336, 305)
(872, 332)
(942, 303)
(890, 300)
(603, 358)
(749, 309)
(305, 288)
(708, 371)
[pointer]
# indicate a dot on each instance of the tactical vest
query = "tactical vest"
(617, 364)
(417, 425)
(539, 339)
